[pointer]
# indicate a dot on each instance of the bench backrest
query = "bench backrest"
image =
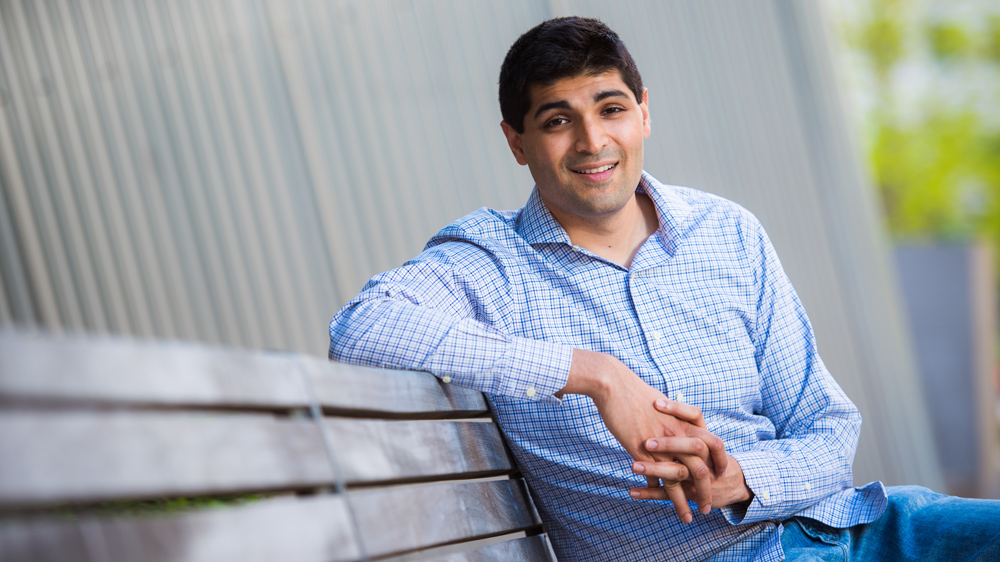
(313, 460)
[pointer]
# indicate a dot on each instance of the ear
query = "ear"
(644, 106)
(514, 142)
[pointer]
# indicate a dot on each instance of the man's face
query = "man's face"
(582, 141)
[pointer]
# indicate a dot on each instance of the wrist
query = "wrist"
(592, 374)
(742, 495)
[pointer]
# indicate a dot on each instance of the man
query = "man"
(637, 341)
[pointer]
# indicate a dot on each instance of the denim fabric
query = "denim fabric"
(918, 525)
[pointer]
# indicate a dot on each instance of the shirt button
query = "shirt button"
(530, 392)
(656, 335)
(680, 396)
(446, 378)
(808, 486)
(766, 495)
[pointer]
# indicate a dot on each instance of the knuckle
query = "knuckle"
(701, 472)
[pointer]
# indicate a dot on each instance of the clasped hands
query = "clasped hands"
(668, 440)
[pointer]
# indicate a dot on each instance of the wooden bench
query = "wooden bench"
(313, 460)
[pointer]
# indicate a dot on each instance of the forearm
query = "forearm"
(399, 334)
(791, 474)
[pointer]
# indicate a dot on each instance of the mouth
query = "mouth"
(596, 170)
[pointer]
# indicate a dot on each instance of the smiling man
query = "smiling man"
(641, 346)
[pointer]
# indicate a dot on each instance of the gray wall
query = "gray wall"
(950, 298)
(233, 171)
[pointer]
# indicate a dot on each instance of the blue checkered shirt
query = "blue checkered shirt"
(705, 314)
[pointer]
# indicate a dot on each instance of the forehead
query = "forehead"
(577, 89)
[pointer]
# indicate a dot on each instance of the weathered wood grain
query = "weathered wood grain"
(79, 456)
(111, 370)
(378, 450)
(48, 457)
(120, 371)
(305, 529)
(392, 520)
(406, 393)
(402, 518)
(526, 549)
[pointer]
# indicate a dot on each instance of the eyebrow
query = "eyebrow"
(563, 104)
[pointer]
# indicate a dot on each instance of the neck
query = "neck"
(616, 237)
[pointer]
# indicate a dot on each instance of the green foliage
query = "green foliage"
(936, 161)
(948, 40)
(929, 176)
(882, 39)
(991, 48)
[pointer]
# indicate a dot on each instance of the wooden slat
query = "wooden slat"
(85, 456)
(303, 529)
(403, 518)
(349, 387)
(122, 371)
(48, 457)
(392, 520)
(527, 549)
(376, 450)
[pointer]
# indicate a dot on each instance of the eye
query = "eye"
(555, 122)
(613, 110)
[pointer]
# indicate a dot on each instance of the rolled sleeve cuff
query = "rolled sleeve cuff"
(536, 370)
(764, 479)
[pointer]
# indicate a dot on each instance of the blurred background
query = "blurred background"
(233, 171)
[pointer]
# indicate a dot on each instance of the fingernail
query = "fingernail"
(687, 517)
(651, 444)
(661, 403)
(634, 494)
(638, 468)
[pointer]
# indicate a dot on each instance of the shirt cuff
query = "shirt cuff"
(764, 479)
(536, 370)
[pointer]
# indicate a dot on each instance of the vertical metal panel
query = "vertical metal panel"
(862, 258)
(19, 303)
(233, 171)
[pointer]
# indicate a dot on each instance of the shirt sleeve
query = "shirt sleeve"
(430, 316)
(816, 424)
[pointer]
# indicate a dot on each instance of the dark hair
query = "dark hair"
(561, 48)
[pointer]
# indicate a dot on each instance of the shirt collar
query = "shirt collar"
(672, 210)
(537, 225)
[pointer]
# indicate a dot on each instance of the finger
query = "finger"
(675, 494)
(701, 476)
(672, 492)
(679, 446)
(717, 449)
(658, 494)
(686, 412)
(654, 471)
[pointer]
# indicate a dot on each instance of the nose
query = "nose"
(591, 137)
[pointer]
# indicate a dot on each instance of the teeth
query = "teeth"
(597, 170)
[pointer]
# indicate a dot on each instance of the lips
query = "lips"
(596, 170)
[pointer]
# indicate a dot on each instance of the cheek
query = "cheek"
(542, 156)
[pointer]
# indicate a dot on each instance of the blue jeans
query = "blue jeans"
(917, 525)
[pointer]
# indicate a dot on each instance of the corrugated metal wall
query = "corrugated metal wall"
(232, 171)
